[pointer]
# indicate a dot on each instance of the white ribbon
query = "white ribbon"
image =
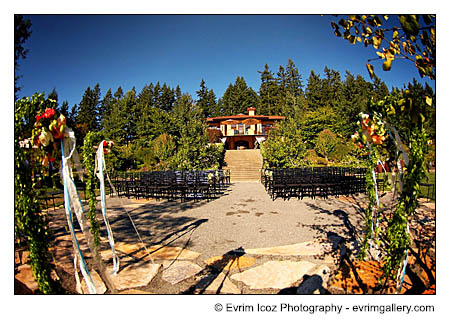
(73, 201)
(99, 167)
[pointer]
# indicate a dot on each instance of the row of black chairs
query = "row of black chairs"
(171, 185)
(313, 182)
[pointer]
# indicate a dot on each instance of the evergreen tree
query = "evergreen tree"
(129, 109)
(105, 107)
(120, 124)
(178, 93)
(332, 88)
(293, 83)
(315, 121)
(237, 98)
(380, 90)
(211, 103)
(54, 96)
(268, 92)
(290, 101)
(22, 31)
(114, 124)
(64, 109)
(167, 98)
(206, 100)
(119, 93)
(314, 96)
(145, 97)
(156, 95)
(72, 116)
(87, 117)
(355, 95)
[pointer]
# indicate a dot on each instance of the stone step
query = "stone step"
(244, 165)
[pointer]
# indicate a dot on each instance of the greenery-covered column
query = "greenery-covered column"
(398, 231)
(30, 223)
(91, 139)
(377, 133)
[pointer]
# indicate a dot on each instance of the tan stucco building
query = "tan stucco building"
(243, 131)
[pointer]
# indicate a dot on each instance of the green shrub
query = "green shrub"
(284, 147)
(326, 144)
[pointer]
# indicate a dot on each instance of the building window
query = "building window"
(241, 129)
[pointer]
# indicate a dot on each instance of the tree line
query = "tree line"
(136, 120)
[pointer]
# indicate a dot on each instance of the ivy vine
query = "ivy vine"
(399, 106)
(91, 139)
(369, 220)
(30, 224)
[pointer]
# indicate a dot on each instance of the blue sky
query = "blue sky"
(71, 52)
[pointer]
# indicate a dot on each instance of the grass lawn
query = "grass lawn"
(56, 196)
(425, 190)
(429, 192)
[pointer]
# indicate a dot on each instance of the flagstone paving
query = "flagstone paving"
(241, 243)
(134, 276)
(134, 292)
(100, 286)
(222, 285)
(25, 275)
(225, 263)
(304, 248)
(274, 274)
(177, 271)
(156, 251)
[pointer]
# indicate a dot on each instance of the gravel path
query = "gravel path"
(244, 217)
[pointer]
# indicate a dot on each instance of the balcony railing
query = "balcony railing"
(235, 132)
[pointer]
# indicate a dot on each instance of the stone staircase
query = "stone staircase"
(245, 165)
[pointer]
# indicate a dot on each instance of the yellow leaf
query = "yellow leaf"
(376, 42)
(387, 65)
(429, 100)
(370, 69)
(395, 34)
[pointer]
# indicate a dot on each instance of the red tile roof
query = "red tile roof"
(242, 116)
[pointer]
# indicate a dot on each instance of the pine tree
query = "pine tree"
(290, 100)
(314, 96)
(145, 97)
(72, 115)
(129, 109)
(178, 93)
(355, 95)
(64, 109)
(167, 98)
(226, 103)
(22, 31)
(120, 124)
(206, 100)
(119, 93)
(380, 90)
(54, 96)
(156, 95)
(293, 83)
(332, 88)
(268, 92)
(87, 117)
(237, 98)
(105, 107)
(114, 124)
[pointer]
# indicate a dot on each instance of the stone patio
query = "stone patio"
(240, 243)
